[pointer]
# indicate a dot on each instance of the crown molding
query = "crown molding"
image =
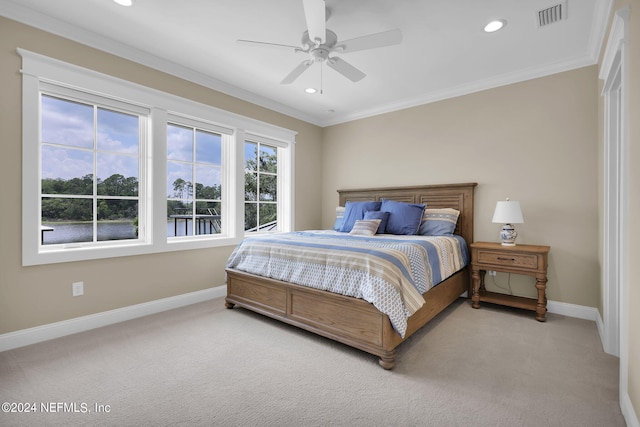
(467, 89)
(30, 17)
(46, 23)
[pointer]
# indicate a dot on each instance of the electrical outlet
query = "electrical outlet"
(77, 288)
(492, 273)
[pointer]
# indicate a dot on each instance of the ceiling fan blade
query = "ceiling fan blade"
(315, 14)
(294, 48)
(346, 69)
(372, 41)
(292, 76)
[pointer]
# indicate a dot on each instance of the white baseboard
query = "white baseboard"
(600, 325)
(627, 411)
(38, 334)
(572, 310)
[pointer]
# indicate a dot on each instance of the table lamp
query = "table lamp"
(508, 212)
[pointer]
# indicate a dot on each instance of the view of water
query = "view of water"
(83, 232)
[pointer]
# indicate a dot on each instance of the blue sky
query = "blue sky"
(68, 135)
(69, 128)
(180, 149)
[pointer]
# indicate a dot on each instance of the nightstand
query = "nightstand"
(530, 260)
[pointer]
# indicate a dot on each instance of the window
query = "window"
(111, 168)
(260, 187)
(194, 181)
(90, 156)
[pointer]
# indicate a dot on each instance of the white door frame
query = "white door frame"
(614, 73)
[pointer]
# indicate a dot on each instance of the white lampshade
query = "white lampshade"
(508, 212)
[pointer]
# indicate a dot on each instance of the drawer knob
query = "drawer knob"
(506, 259)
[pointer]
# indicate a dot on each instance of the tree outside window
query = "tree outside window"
(261, 187)
(89, 168)
(194, 181)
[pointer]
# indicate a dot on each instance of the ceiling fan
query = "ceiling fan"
(319, 43)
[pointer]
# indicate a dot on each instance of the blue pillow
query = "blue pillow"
(404, 218)
(354, 211)
(382, 216)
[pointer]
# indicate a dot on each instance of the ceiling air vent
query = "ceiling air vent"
(552, 14)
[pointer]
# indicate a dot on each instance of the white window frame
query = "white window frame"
(227, 161)
(284, 189)
(72, 95)
(39, 71)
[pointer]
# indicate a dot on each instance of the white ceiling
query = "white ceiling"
(444, 52)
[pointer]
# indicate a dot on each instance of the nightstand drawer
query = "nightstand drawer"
(507, 259)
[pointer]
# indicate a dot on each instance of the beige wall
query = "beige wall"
(32, 296)
(535, 142)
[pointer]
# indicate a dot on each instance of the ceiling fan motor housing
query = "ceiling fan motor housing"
(324, 49)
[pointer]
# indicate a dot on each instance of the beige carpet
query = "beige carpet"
(205, 365)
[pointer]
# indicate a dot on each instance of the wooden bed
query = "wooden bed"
(353, 321)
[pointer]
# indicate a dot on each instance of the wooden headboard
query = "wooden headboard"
(456, 196)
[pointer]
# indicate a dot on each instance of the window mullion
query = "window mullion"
(95, 174)
(158, 197)
(193, 179)
(258, 179)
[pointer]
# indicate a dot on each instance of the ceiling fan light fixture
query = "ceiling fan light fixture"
(495, 25)
(311, 90)
(124, 2)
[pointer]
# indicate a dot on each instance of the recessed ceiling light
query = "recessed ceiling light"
(310, 90)
(495, 25)
(124, 2)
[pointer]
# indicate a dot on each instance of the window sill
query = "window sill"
(84, 253)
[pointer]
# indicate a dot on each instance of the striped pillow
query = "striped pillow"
(439, 222)
(337, 225)
(365, 227)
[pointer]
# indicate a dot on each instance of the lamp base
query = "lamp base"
(508, 235)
